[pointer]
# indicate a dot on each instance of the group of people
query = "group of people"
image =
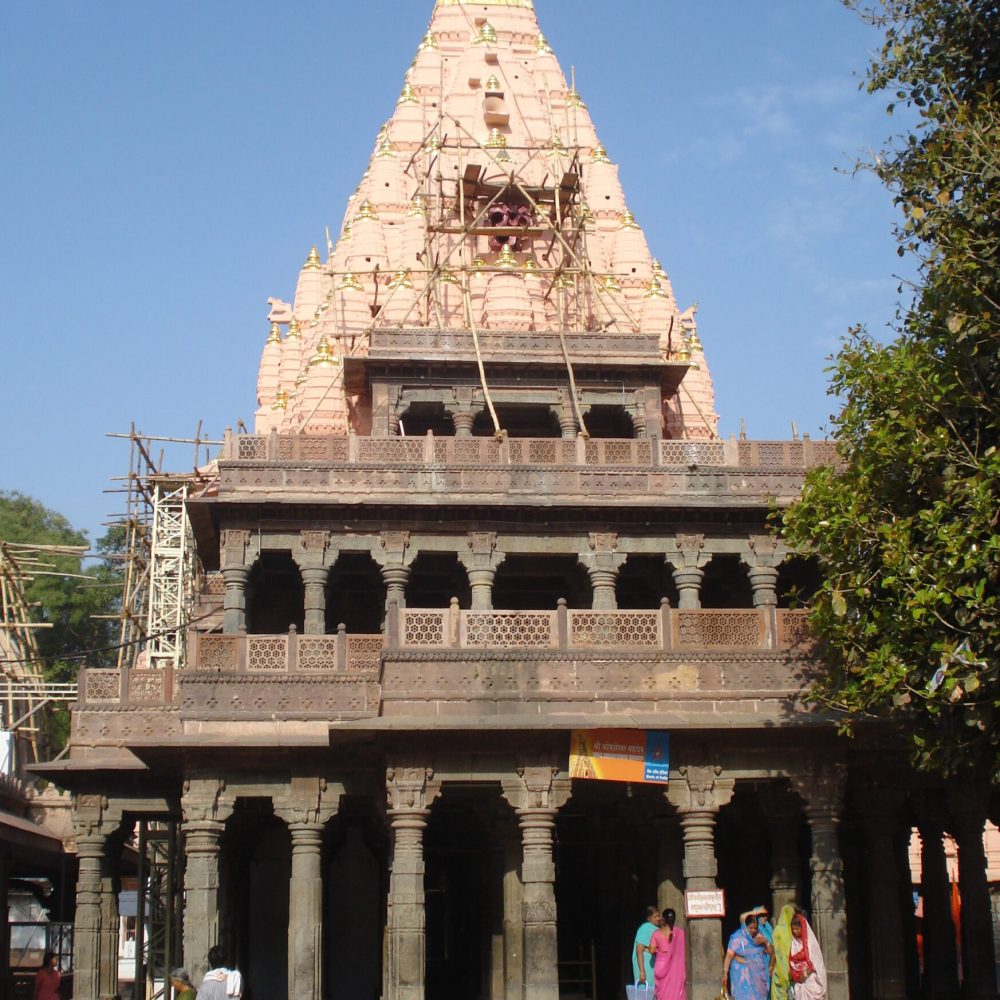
(763, 962)
(659, 958)
(219, 983)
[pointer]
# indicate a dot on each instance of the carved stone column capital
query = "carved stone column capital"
(537, 786)
(763, 550)
(410, 787)
(205, 800)
(689, 552)
(314, 548)
(702, 788)
(237, 547)
(309, 802)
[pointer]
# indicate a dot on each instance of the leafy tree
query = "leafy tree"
(906, 529)
(66, 596)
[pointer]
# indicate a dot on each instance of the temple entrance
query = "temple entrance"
(463, 889)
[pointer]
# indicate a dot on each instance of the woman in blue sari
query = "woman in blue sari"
(749, 959)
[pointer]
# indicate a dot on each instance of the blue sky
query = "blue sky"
(166, 168)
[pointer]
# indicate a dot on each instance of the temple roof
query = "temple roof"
(489, 203)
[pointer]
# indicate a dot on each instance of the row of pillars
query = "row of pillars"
(482, 559)
(535, 792)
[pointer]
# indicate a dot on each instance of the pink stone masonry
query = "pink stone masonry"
(484, 90)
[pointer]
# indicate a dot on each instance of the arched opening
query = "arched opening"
(435, 578)
(608, 421)
(726, 584)
(643, 582)
(420, 418)
(257, 856)
(275, 595)
(464, 892)
(355, 594)
(526, 583)
(519, 421)
(799, 581)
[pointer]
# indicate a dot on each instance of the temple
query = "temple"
(486, 507)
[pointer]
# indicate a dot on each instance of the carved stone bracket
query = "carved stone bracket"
(537, 786)
(309, 800)
(205, 800)
(410, 787)
(702, 789)
(763, 550)
(689, 552)
(237, 548)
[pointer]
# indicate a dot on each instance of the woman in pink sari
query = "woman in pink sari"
(670, 966)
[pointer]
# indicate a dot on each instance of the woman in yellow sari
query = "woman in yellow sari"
(780, 980)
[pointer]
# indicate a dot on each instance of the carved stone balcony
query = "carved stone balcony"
(435, 664)
(431, 470)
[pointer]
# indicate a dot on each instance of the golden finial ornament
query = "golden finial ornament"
(542, 46)
(448, 276)
(294, 330)
(628, 220)
(312, 261)
(507, 260)
(401, 279)
(694, 341)
(345, 233)
(496, 140)
(366, 211)
(600, 154)
(555, 145)
(574, 100)
(427, 42)
(658, 269)
(408, 95)
(386, 150)
(349, 282)
(684, 352)
(434, 142)
(274, 334)
(530, 264)
(280, 400)
(418, 207)
(654, 290)
(324, 356)
(565, 281)
(610, 283)
(493, 83)
(487, 35)
(479, 262)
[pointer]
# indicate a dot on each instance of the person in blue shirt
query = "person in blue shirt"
(642, 960)
(764, 923)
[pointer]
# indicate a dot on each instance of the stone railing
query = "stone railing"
(489, 451)
(501, 345)
(665, 629)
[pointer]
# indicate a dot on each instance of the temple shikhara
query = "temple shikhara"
(483, 515)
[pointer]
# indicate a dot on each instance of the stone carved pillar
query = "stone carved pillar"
(568, 426)
(784, 813)
(969, 811)
(481, 562)
(395, 565)
(880, 807)
(462, 411)
(762, 558)
(95, 938)
(236, 557)
(698, 796)
(637, 414)
(940, 954)
(537, 795)
(513, 919)
(410, 792)
(688, 564)
(602, 564)
(315, 571)
(306, 810)
(822, 791)
(205, 809)
(462, 420)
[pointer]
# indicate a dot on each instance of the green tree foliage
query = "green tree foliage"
(906, 529)
(60, 597)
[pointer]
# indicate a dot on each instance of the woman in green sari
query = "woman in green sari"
(780, 980)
